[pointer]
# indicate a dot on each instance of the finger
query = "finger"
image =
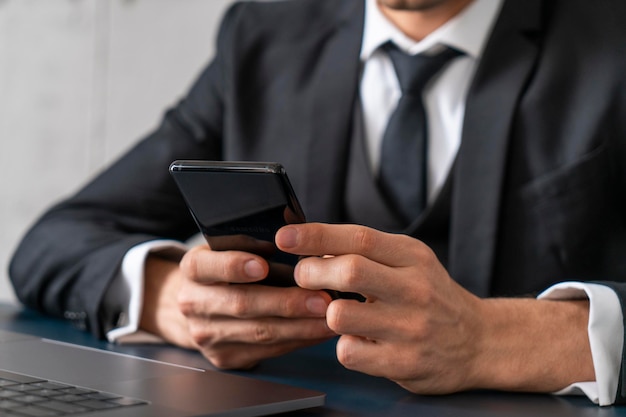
(417, 373)
(368, 320)
(201, 264)
(261, 331)
(245, 356)
(347, 273)
(252, 301)
(318, 239)
(367, 356)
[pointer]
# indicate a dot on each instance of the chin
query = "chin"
(415, 5)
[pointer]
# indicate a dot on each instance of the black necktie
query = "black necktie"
(402, 175)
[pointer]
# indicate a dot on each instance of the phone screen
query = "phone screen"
(241, 206)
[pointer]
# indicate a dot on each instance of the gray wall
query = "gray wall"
(80, 82)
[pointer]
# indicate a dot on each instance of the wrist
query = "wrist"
(526, 344)
(160, 313)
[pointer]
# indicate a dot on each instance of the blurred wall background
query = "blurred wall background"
(80, 82)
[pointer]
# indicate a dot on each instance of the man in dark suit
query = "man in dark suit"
(526, 197)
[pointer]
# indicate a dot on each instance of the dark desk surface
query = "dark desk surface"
(348, 393)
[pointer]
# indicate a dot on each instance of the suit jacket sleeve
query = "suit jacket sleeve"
(67, 260)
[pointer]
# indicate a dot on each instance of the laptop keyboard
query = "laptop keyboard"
(22, 395)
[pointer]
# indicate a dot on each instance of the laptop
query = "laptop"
(42, 377)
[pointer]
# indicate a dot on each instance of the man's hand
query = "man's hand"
(211, 302)
(421, 329)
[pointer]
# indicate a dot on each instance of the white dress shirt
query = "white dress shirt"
(444, 99)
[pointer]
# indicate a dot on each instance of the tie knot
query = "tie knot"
(414, 71)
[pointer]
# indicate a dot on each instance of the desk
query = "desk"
(348, 393)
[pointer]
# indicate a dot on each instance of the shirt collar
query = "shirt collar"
(468, 31)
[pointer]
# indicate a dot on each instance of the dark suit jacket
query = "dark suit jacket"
(537, 181)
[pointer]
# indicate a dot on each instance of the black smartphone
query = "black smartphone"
(241, 206)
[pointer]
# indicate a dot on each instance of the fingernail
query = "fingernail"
(287, 237)
(254, 269)
(316, 305)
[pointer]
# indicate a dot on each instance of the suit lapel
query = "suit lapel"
(505, 67)
(336, 73)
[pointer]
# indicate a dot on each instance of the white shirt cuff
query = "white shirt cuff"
(606, 337)
(128, 287)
